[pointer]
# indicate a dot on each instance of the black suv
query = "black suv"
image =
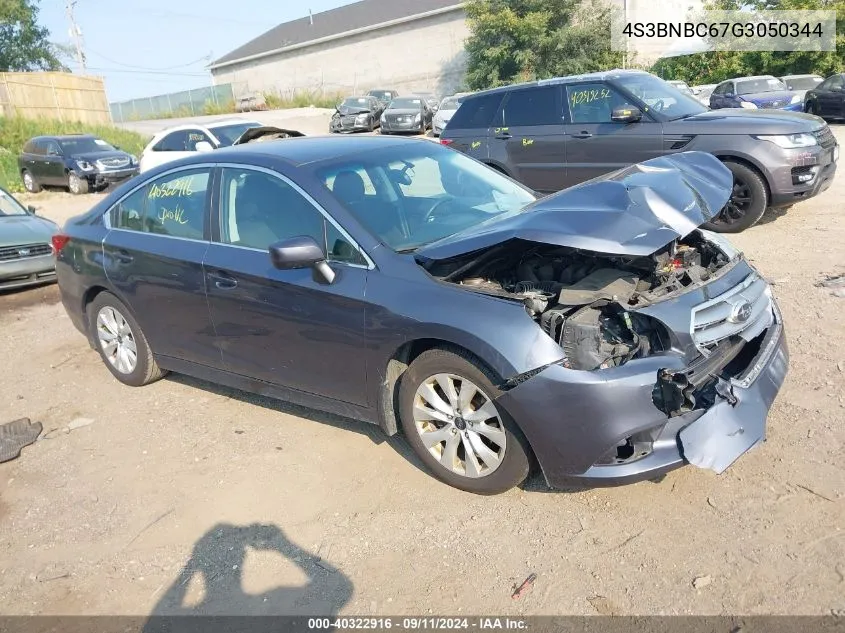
(555, 133)
(80, 162)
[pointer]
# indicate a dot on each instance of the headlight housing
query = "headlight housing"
(720, 242)
(748, 105)
(791, 141)
(133, 160)
(418, 118)
(795, 99)
(84, 165)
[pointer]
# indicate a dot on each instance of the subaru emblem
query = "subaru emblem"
(740, 312)
(24, 252)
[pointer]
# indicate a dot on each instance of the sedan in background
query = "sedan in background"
(430, 98)
(186, 140)
(80, 162)
(800, 84)
(384, 96)
(356, 114)
(26, 251)
(682, 86)
(827, 100)
(752, 93)
(406, 114)
(597, 332)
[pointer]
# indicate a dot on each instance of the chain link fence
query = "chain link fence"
(208, 100)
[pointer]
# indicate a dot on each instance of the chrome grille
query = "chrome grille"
(348, 120)
(824, 137)
(8, 253)
(745, 311)
(112, 163)
(400, 118)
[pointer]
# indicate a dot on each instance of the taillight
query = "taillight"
(446, 141)
(58, 242)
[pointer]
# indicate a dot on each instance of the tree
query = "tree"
(23, 43)
(716, 66)
(523, 40)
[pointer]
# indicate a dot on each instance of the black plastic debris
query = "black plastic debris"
(15, 435)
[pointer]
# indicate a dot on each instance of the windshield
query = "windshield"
(804, 83)
(10, 206)
(71, 146)
(449, 104)
(763, 84)
(356, 102)
(410, 196)
(405, 103)
(228, 134)
(660, 96)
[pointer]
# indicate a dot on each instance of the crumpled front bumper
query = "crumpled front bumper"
(573, 418)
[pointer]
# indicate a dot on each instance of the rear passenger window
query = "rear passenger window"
(173, 205)
(531, 107)
(476, 113)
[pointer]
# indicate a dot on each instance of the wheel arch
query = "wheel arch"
(751, 164)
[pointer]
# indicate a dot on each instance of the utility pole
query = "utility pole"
(76, 34)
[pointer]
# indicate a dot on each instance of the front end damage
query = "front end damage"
(669, 357)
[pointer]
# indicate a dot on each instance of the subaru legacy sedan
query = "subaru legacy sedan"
(596, 332)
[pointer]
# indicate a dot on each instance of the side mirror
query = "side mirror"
(203, 146)
(31, 209)
(301, 252)
(626, 114)
(730, 95)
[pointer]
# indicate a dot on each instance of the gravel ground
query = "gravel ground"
(184, 497)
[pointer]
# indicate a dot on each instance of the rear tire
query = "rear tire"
(77, 186)
(748, 202)
(29, 182)
(482, 450)
(120, 342)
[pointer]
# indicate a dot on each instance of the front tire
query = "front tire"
(449, 416)
(120, 342)
(29, 182)
(77, 186)
(748, 203)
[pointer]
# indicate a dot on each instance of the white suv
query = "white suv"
(183, 140)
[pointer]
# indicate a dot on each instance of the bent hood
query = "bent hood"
(265, 133)
(772, 99)
(633, 211)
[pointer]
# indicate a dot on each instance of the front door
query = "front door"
(531, 139)
(286, 327)
(53, 165)
(595, 144)
(830, 96)
(153, 259)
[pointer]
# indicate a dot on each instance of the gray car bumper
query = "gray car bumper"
(817, 162)
(27, 272)
(603, 408)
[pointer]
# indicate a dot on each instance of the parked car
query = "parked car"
(80, 162)
(356, 114)
(621, 117)
(800, 84)
(763, 92)
(26, 252)
(828, 98)
(186, 140)
(430, 98)
(406, 114)
(702, 93)
(384, 96)
(682, 86)
(444, 112)
(383, 292)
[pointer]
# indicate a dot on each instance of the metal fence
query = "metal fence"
(186, 103)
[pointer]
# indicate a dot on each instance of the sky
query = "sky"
(149, 47)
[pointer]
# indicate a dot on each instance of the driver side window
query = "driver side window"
(593, 103)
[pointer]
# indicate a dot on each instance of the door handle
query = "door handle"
(123, 257)
(223, 282)
(584, 134)
(503, 136)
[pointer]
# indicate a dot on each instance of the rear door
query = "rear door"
(595, 144)
(531, 140)
(153, 259)
(470, 127)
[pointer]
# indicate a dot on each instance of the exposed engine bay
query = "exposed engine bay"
(587, 301)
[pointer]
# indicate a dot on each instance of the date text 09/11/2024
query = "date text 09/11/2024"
(417, 624)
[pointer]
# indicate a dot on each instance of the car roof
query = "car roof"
(596, 76)
(60, 137)
(755, 77)
(313, 149)
(801, 75)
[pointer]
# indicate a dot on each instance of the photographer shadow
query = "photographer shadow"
(218, 561)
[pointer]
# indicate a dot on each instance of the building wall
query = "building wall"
(425, 55)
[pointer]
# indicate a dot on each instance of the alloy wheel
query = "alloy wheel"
(73, 183)
(459, 425)
(28, 182)
(117, 340)
(737, 207)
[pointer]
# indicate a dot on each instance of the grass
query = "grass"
(303, 100)
(16, 131)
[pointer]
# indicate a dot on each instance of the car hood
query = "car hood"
(95, 156)
(344, 110)
(765, 98)
(403, 111)
(25, 229)
(265, 133)
(737, 121)
(633, 211)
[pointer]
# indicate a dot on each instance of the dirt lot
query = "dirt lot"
(183, 497)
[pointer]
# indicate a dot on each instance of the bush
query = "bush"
(16, 131)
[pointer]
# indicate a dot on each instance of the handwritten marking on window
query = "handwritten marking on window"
(476, 144)
(172, 215)
(581, 97)
(174, 188)
(527, 141)
(196, 137)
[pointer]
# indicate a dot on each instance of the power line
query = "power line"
(76, 34)
(204, 58)
(148, 72)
